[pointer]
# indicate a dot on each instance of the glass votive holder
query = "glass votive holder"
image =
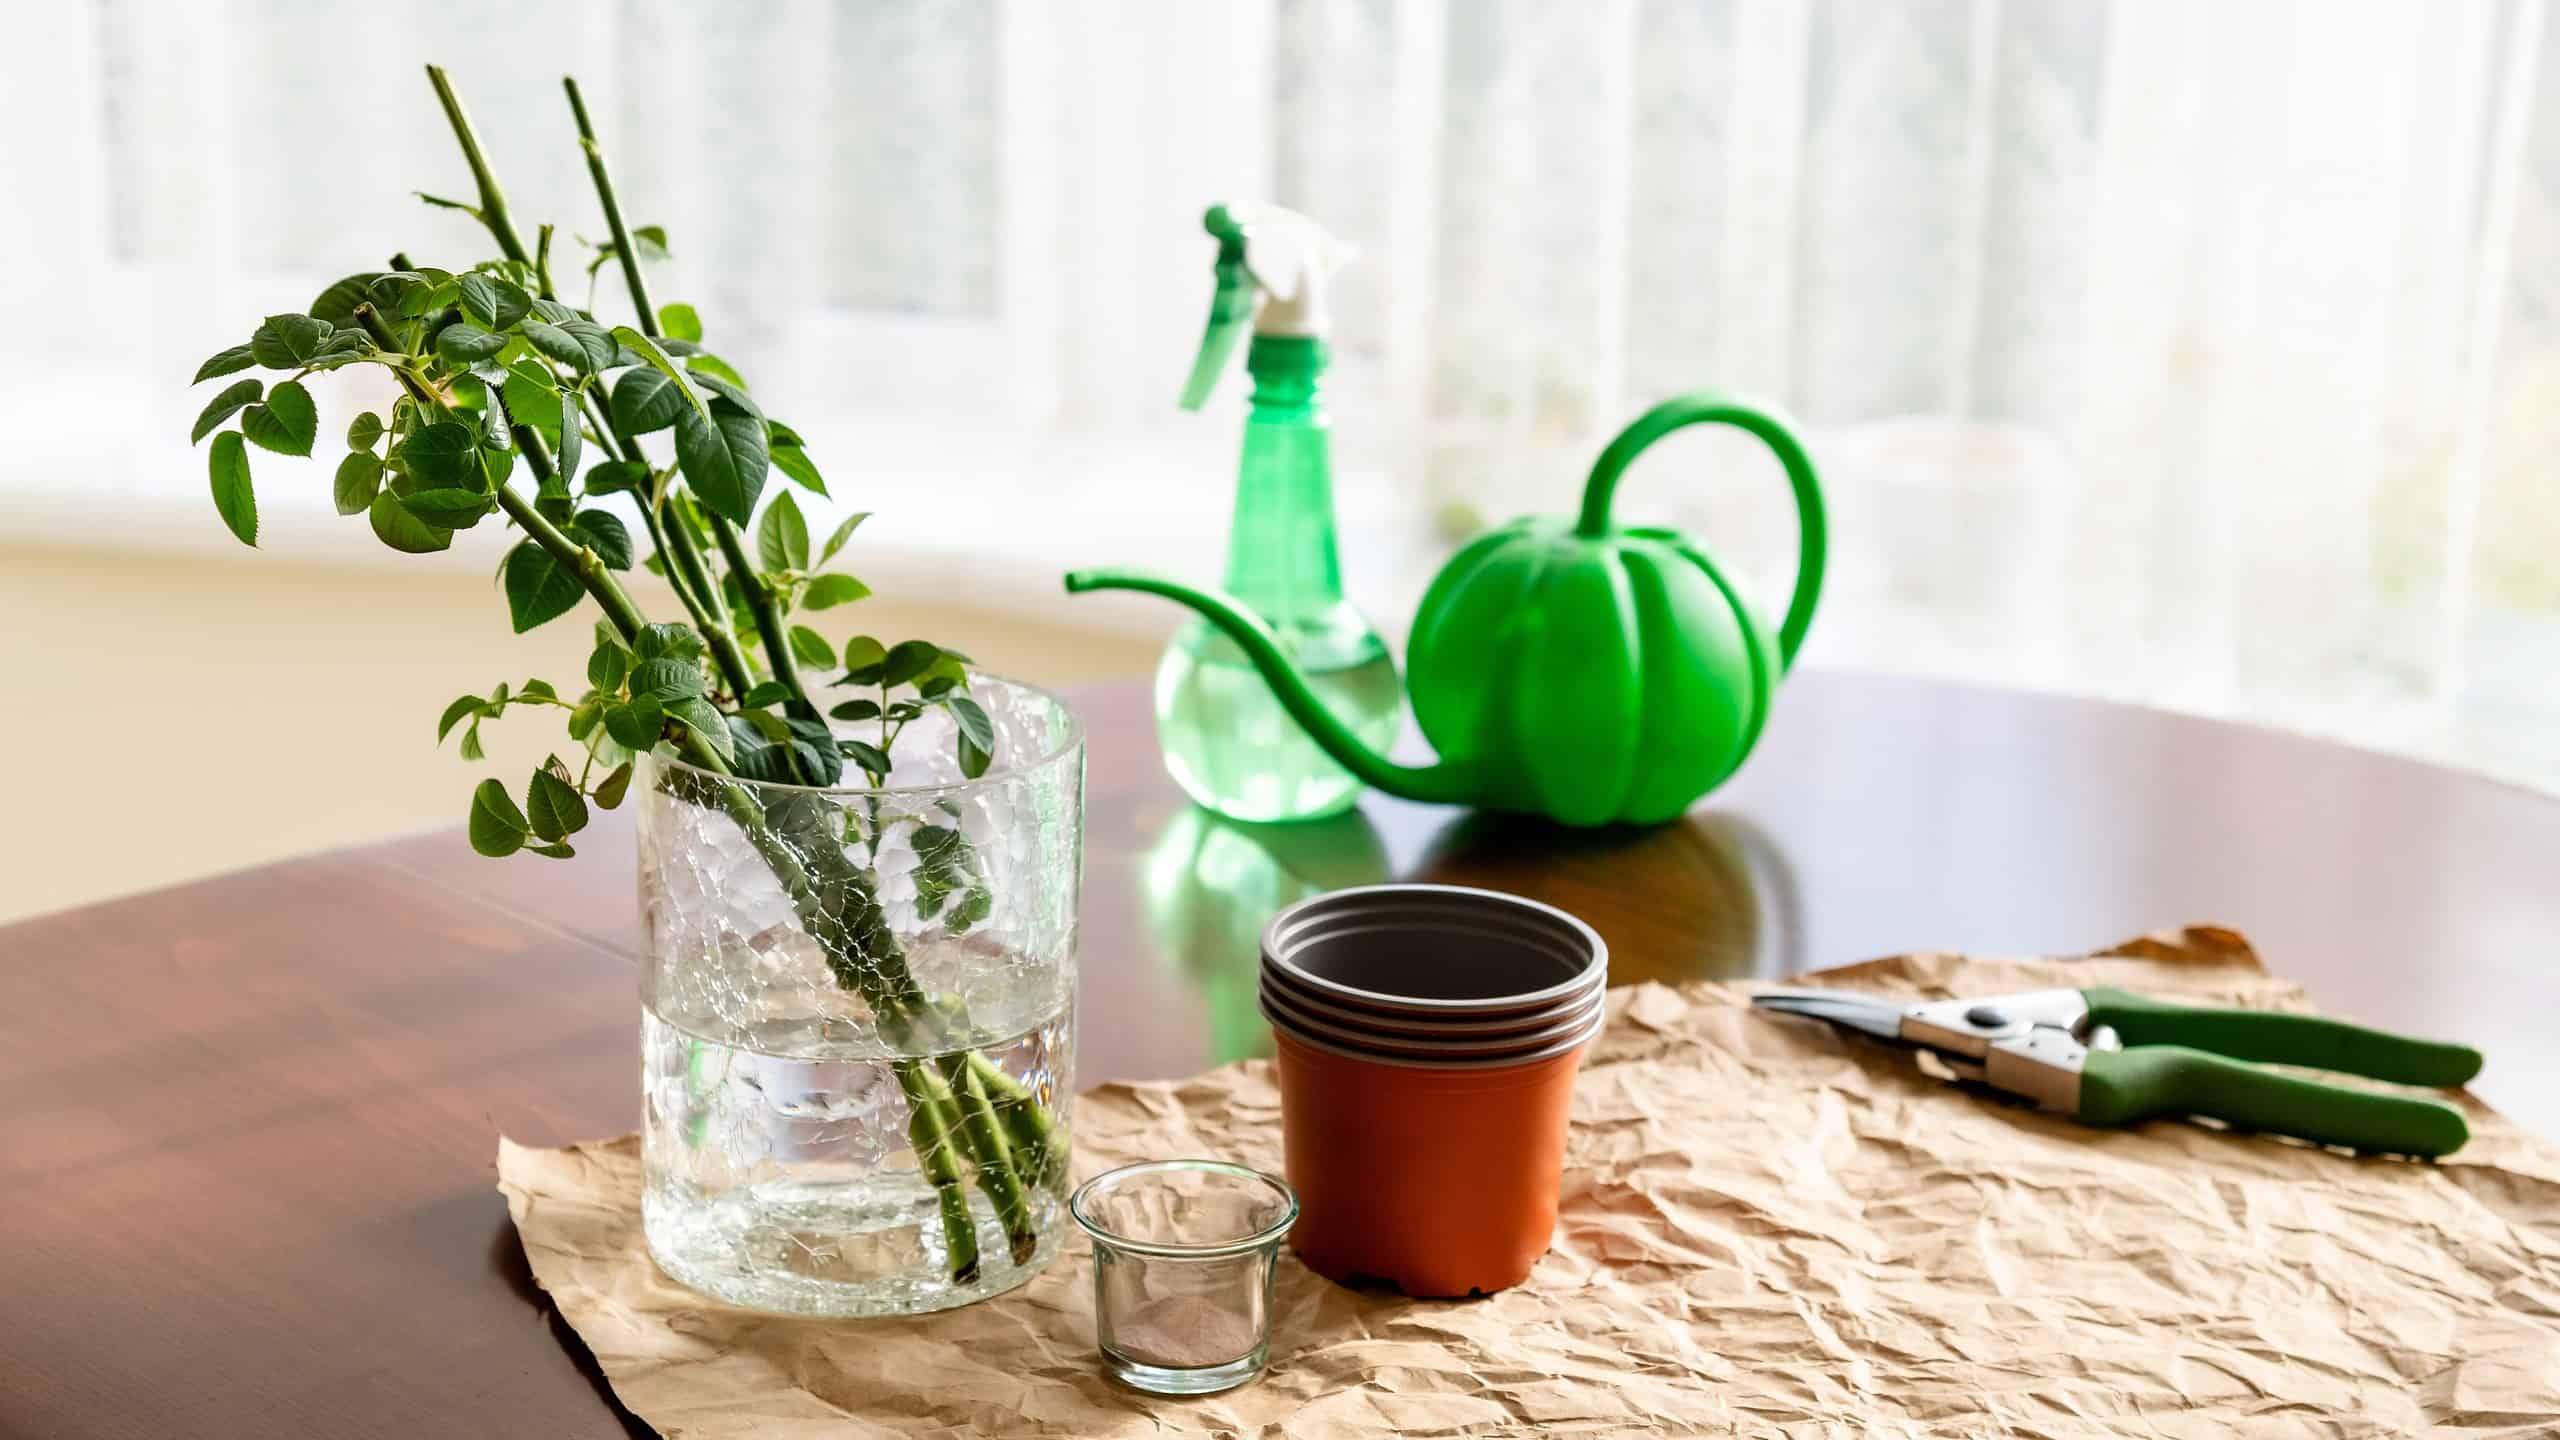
(1184, 1253)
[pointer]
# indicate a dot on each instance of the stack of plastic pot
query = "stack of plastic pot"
(1427, 1041)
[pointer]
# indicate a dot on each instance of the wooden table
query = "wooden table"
(246, 1184)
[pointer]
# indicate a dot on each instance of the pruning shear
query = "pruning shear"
(2112, 1057)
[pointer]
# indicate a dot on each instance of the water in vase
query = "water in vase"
(788, 1172)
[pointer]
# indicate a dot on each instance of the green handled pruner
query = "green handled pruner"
(2111, 1057)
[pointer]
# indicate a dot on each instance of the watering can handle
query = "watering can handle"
(1703, 408)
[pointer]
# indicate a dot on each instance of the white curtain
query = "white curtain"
(2203, 352)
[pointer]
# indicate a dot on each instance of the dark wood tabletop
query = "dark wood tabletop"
(246, 1187)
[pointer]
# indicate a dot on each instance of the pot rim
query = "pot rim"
(1407, 1029)
(1487, 903)
(1484, 1065)
(1277, 1008)
(1450, 1023)
(1070, 743)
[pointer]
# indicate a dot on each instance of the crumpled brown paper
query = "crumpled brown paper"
(1768, 1229)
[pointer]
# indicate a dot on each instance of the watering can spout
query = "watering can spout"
(1442, 783)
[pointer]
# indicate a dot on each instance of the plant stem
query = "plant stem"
(493, 201)
(777, 642)
(603, 177)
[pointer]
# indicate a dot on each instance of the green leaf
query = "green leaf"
(643, 401)
(363, 431)
(231, 493)
(532, 400)
(656, 359)
(680, 321)
(793, 461)
(225, 405)
(973, 721)
(539, 588)
(709, 364)
(556, 850)
(359, 480)
(614, 476)
(828, 591)
(870, 758)
(467, 342)
(603, 533)
(974, 758)
(447, 508)
(225, 362)
(907, 660)
(494, 464)
(539, 687)
(766, 692)
(470, 748)
(649, 242)
(723, 458)
(394, 526)
(440, 456)
(667, 680)
(606, 667)
(727, 389)
(493, 302)
(857, 710)
(454, 713)
(635, 726)
(565, 463)
(554, 805)
(843, 533)
(287, 423)
(430, 297)
(702, 719)
(284, 342)
(811, 648)
(338, 303)
(665, 640)
(610, 791)
(577, 342)
(498, 828)
(863, 661)
(782, 537)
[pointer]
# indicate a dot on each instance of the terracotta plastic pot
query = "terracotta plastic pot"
(1440, 1180)
(1429, 1157)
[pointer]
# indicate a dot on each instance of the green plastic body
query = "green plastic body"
(1578, 670)
(1226, 739)
(2122, 1087)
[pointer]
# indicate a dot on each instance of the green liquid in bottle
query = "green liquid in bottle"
(1228, 742)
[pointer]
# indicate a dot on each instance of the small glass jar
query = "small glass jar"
(1184, 1256)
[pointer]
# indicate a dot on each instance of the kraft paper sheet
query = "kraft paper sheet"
(1768, 1229)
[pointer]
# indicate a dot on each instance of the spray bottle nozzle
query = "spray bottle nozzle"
(1298, 258)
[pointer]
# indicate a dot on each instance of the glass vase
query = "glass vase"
(858, 1020)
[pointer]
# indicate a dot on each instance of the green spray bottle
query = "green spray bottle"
(1226, 739)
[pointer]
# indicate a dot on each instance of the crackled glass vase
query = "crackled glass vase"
(858, 1020)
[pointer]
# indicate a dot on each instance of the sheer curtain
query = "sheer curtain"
(2203, 352)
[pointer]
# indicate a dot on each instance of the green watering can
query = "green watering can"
(1577, 670)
